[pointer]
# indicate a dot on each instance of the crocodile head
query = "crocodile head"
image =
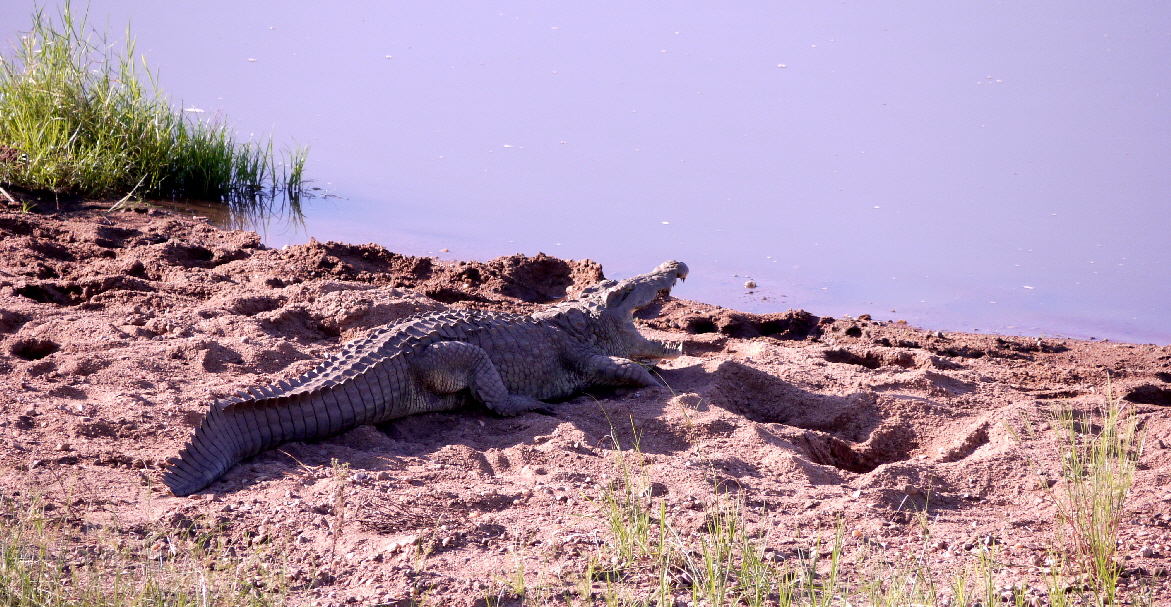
(614, 326)
(603, 314)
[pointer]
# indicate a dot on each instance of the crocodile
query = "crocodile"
(438, 361)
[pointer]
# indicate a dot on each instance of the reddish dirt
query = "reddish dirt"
(117, 330)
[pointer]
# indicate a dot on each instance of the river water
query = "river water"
(1001, 167)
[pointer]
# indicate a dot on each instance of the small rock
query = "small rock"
(911, 489)
(751, 284)
(857, 534)
(63, 447)
(382, 476)
(1146, 552)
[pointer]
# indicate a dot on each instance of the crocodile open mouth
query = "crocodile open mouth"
(664, 350)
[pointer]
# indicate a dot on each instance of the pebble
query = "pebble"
(750, 284)
(382, 476)
(63, 447)
(856, 534)
(1146, 552)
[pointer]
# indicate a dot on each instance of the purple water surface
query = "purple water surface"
(994, 166)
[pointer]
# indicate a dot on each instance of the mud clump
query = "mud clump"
(674, 314)
(118, 330)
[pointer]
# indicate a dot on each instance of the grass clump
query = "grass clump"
(1098, 462)
(50, 556)
(79, 116)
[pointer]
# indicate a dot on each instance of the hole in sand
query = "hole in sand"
(35, 293)
(11, 321)
(870, 360)
(701, 325)
(450, 295)
(1149, 394)
(33, 349)
(850, 431)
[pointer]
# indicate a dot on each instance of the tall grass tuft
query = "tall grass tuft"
(79, 116)
(1097, 468)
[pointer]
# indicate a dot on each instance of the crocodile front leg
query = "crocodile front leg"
(614, 371)
(447, 367)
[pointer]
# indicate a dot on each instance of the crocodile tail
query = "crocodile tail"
(215, 447)
(234, 429)
(263, 418)
(357, 386)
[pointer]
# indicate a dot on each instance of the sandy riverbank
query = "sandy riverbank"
(117, 329)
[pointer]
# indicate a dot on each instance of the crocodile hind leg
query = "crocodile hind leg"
(447, 367)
